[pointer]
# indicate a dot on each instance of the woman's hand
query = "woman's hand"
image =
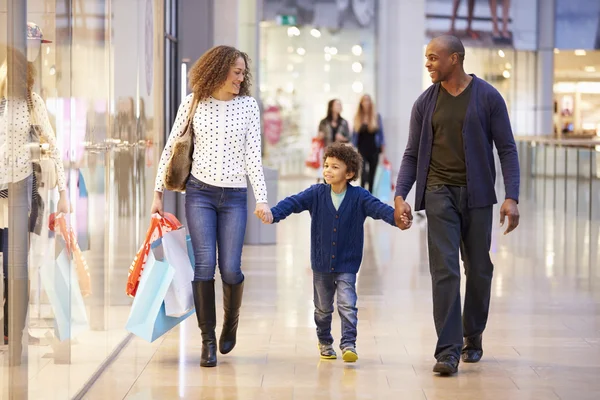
(63, 204)
(157, 204)
(263, 212)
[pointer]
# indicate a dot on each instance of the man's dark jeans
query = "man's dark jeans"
(452, 226)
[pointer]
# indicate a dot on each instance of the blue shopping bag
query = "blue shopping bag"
(59, 281)
(382, 186)
(148, 318)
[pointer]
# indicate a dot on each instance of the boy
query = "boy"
(338, 212)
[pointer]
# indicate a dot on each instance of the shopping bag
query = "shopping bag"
(382, 185)
(158, 226)
(314, 157)
(73, 250)
(179, 299)
(59, 281)
(147, 318)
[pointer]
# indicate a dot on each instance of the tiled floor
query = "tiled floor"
(542, 341)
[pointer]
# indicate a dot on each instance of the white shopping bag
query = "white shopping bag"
(179, 299)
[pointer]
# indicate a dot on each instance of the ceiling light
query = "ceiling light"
(580, 52)
(357, 87)
(327, 57)
(501, 53)
(357, 50)
(508, 65)
(333, 50)
(556, 51)
(506, 74)
(293, 31)
(589, 68)
(357, 67)
(301, 51)
(316, 33)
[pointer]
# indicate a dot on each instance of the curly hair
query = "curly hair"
(210, 72)
(346, 154)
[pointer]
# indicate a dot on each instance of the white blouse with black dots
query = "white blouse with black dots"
(227, 144)
(15, 153)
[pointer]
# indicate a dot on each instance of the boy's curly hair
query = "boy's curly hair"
(348, 155)
(210, 72)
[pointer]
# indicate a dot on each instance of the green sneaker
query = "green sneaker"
(327, 351)
(349, 354)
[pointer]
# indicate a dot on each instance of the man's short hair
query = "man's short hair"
(452, 45)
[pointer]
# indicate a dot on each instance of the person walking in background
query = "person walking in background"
(333, 128)
(453, 127)
(471, 6)
(368, 138)
(505, 34)
(227, 149)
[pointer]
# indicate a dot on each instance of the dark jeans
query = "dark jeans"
(367, 176)
(216, 219)
(453, 226)
(325, 286)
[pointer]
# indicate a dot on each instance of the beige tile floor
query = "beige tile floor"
(542, 341)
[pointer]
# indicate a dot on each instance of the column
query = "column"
(545, 68)
(401, 61)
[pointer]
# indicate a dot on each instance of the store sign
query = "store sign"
(286, 20)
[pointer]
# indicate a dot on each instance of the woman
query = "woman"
(227, 147)
(368, 138)
(333, 128)
(16, 164)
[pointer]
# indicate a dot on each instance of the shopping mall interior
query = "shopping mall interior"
(110, 77)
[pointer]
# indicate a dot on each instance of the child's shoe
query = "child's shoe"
(349, 354)
(327, 351)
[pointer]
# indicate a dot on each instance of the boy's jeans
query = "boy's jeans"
(325, 286)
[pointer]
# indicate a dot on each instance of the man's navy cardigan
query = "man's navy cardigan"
(337, 237)
(486, 123)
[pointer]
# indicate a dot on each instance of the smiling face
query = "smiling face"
(335, 171)
(236, 76)
(440, 63)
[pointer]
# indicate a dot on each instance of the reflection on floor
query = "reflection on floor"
(542, 341)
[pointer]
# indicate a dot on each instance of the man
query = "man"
(450, 155)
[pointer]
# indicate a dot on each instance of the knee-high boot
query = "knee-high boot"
(232, 301)
(204, 300)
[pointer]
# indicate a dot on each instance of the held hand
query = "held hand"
(263, 212)
(509, 209)
(63, 204)
(157, 205)
(402, 214)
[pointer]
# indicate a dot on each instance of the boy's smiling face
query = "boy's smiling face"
(336, 172)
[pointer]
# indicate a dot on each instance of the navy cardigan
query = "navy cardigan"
(486, 123)
(337, 237)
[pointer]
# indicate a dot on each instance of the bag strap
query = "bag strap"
(190, 118)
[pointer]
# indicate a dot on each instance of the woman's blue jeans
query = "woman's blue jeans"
(216, 219)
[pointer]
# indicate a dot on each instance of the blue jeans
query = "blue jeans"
(325, 286)
(216, 219)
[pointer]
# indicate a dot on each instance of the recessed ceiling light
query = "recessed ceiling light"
(580, 52)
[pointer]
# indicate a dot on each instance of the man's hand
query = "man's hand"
(402, 213)
(509, 209)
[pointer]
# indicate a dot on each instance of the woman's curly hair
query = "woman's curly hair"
(210, 72)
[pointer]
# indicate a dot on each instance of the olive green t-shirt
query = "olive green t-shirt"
(447, 165)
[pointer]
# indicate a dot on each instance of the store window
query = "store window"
(310, 54)
(94, 68)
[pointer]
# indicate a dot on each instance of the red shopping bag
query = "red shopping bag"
(314, 157)
(158, 226)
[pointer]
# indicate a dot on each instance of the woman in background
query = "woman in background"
(368, 138)
(333, 128)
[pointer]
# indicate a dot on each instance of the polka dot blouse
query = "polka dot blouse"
(15, 153)
(227, 144)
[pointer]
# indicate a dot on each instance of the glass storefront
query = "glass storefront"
(577, 93)
(98, 73)
(308, 57)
